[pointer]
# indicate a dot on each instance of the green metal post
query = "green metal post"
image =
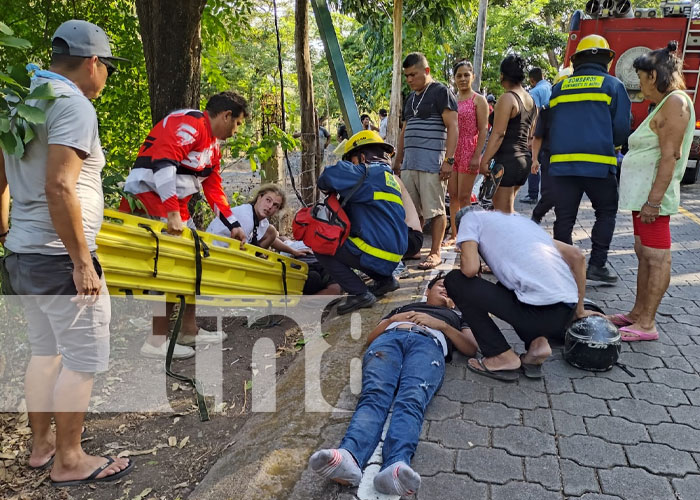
(339, 73)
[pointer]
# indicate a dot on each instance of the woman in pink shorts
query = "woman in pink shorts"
(473, 127)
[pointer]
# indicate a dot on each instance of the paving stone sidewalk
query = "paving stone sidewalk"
(575, 434)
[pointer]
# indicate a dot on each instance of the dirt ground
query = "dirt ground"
(172, 451)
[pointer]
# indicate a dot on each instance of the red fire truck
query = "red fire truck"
(637, 33)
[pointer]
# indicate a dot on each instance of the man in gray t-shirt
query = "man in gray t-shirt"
(426, 147)
(541, 287)
(49, 260)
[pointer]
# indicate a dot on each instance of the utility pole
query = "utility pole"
(479, 46)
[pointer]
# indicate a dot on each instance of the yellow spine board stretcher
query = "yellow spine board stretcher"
(139, 259)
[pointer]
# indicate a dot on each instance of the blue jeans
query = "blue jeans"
(400, 366)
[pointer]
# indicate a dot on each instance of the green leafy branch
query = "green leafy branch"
(16, 116)
(261, 151)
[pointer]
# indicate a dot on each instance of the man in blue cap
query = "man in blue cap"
(57, 206)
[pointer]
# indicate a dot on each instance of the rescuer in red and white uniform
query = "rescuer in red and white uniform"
(179, 157)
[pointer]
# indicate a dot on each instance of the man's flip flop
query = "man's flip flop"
(531, 370)
(637, 335)
(92, 478)
(429, 264)
(503, 375)
(45, 465)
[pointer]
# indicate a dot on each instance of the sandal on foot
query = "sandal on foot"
(92, 478)
(620, 320)
(46, 465)
(430, 263)
(503, 375)
(628, 334)
(531, 370)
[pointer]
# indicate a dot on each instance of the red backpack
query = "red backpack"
(325, 226)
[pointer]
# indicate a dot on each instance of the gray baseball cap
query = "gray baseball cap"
(82, 39)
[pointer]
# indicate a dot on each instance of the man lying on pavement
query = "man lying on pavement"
(541, 287)
(404, 364)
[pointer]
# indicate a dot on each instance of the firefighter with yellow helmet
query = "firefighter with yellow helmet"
(378, 233)
(589, 116)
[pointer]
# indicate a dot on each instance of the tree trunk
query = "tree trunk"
(309, 131)
(394, 120)
(551, 55)
(172, 46)
(479, 45)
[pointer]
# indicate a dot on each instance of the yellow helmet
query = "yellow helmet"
(563, 74)
(365, 138)
(593, 44)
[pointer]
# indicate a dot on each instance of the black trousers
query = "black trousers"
(546, 202)
(603, 195)
(533, 185)
(477, 297)
(340, 266)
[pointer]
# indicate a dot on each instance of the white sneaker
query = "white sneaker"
(203, 337)
(180, 352)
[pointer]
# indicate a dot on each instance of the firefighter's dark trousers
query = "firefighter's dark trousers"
(603, 195)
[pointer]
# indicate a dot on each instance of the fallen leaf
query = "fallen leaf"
(184, 441)
(136, 453)
(176, 420)
(172, 441)
(143, 494)
(181, 485)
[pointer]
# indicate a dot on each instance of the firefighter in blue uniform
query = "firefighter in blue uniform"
(378, 233)
(590, 116)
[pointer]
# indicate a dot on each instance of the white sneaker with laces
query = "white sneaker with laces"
(180, 352)
(203, 337)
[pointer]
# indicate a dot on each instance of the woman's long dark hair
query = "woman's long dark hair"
(668, 67)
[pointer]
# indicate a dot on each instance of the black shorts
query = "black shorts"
(515, 170)
(415, 242)
(317, 279)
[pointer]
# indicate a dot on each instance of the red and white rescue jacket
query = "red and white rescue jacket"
(179, 156)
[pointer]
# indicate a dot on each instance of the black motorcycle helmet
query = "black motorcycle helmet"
(592, 343)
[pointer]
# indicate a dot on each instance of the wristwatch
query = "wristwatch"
(451, 161)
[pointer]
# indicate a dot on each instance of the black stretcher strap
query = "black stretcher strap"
(201, 403)
(155, 259)
(200, 250)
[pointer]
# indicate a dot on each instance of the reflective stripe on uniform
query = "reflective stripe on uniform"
(375, 252)
(380, 195)
(607, 160)
(583, 97)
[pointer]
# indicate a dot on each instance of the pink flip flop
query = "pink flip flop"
(620, 320)
(637, 335)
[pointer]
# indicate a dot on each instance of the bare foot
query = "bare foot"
(85, 466)
(448, 242)
(42, 451)
(538, 353)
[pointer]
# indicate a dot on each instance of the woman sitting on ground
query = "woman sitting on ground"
(650, 183)
(253, 217)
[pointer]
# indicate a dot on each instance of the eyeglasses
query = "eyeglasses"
(108, 64)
